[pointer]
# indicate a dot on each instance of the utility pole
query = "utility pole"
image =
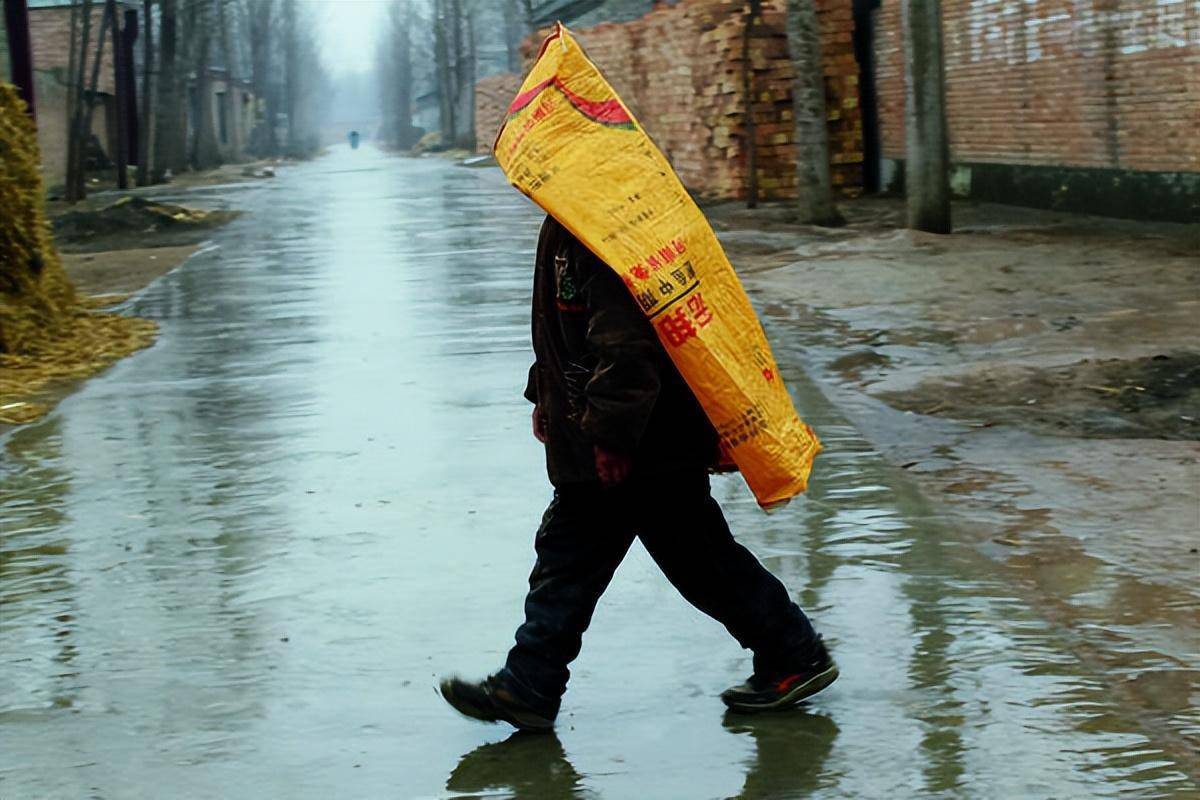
(927, 166)
(20, 54)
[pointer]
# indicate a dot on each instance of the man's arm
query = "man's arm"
(625, 382)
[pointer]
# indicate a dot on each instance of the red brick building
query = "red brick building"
(1086, 105)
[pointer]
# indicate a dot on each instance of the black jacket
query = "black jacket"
(601, 375)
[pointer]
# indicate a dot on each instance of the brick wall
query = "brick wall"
(492, 98)
(1076, 83)
(50, 36)
(679, 69)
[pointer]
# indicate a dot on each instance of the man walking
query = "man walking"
(628, 449)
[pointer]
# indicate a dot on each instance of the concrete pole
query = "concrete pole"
(927, 166)
(20, 54)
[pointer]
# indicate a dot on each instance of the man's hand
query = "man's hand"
(539, 424)
(612, 468)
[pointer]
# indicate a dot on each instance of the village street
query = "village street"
(236, 564)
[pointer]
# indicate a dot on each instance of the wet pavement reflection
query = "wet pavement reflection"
(235, 564)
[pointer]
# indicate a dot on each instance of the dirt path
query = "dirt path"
(1038, 372)
(123, 271)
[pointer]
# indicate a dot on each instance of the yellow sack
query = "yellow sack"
(572, 146)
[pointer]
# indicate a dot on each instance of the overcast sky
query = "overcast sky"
(349, 31)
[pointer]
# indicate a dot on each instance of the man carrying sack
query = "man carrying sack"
(628, 449)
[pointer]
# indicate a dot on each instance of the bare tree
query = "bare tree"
(170, 116)
(927, 176)
(397, 75)
(454, 55)
(516, 28)
(77, 116)
(445, 76)
(205, 153)
(467, 85)
(306, 89)
(753, 14)
(145, 146)
(461, 75)
(73, 59)
(121, 150)
(814, 190)
(262, 19)
(90, 106)
(291, 71)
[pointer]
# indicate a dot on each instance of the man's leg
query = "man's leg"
(583, 537)
(684, 530)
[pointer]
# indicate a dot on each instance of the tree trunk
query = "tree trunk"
(129, 36)
(459, 73)
(814, 191)
(146, 148)
(77, 135)
(72, 60)
(467, 89)
(927, 165)
(515, 28)
(205, 154)
(233, 142)
(753, 12)
(404, 81)
(20, 55)
(121, 146)
(291, 68)
(445, 81)
(90, 99)
(169, 117)
(261, 13)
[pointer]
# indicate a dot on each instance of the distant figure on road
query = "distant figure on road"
(353, 140)
(628, 449)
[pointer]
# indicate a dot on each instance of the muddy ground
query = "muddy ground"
(1039, 371)
(112, 246)
(123, 271)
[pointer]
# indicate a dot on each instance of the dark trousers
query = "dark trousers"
(584, 535)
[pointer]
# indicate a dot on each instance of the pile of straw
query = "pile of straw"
(47, 332)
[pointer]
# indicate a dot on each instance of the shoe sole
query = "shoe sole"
(523, 722)
(797, 694)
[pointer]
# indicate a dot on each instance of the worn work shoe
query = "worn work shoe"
(490, 700)
(776, 692)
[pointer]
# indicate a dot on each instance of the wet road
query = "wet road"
(235, 564)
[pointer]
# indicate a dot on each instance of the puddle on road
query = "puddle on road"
(235, 564)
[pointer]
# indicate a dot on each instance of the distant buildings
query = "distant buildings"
(235, 109)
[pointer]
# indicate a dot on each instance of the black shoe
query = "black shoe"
(490, 700)
(775, 692)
